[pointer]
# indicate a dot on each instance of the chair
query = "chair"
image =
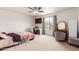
(60, 35)
(73, 41)
(36, 30)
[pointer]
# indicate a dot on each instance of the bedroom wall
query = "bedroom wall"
(39, 25)
(70, 16)
(14, 22)
(66, 14)
(78, 18)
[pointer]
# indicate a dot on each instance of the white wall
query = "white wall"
(78, 19)
(66, 14)
(14, 22)
(39, 25)
(70, 16)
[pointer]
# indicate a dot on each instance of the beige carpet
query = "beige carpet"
(43, 43)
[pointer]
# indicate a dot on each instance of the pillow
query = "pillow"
(3, 32)
(4, 36)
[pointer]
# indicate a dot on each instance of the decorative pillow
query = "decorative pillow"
(4, 36)
(4, 32)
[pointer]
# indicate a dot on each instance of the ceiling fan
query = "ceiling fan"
(36, 9)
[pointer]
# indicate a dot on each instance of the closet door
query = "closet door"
(72, 24)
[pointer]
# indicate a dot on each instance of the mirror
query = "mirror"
(61, 26)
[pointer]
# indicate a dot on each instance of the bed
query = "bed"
(7, 40)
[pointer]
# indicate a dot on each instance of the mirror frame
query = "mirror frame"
(64, 24)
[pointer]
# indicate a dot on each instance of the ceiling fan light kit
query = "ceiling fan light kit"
(35, 12)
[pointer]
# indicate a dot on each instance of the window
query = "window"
(49, 22)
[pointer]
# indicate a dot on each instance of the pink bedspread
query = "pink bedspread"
(7, 40)
(26, 35)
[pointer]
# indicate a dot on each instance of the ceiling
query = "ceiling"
(24, 10)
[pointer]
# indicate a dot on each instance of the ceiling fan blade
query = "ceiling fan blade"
(35, 8)
(39, 8)
(31, 8)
